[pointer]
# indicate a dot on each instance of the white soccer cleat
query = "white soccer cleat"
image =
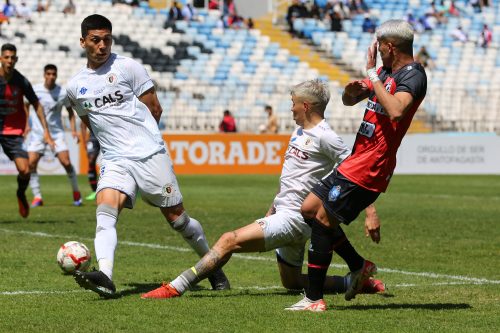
(306, 304)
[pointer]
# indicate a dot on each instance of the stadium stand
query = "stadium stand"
(201, 70)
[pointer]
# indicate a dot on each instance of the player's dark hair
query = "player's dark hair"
(49, 67)
(95, 22)
(9, 47)
(268, 107)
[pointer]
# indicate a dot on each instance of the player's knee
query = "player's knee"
(111, 215)
(24, 172)
(180, 222)
(307, 211)
(227, 242)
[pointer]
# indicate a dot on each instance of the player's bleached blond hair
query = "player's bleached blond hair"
(399, 32)
(316, 92)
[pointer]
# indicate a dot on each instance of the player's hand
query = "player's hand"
(355, 88)
(372, 227)
(76, 136)
(49, 140)
(371, 55)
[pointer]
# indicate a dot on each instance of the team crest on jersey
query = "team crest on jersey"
(111, 79)
(168, 190)
(334, 193)
(308, 142)
(83, 90)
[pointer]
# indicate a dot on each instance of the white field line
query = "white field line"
(471, 280)
(62, 292)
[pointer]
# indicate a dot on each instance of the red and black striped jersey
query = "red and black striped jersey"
(373, 157)
(12, 114)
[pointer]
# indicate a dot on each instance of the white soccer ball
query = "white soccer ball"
(73, 256)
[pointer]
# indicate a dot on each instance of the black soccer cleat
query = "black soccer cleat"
(219, 281)
(98, 282)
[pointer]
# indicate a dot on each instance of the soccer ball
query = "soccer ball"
(73, 256)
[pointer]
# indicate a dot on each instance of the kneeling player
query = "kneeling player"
(313, 151)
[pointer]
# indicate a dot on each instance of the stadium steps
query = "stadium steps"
(301, 50)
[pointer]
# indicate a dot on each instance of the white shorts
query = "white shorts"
(286, 232)
(37, 145)
(153, 177)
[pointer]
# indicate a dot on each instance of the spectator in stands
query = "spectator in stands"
(425, 21)
(424, 58)
(175, 12)
(358, 6)
(295, 11)
(8, 9)
(24, 12)
(228, 124)
(271, 127)
(368, 24)
(486, 37)
(69, 8)
(335, 20)
(437, 13)
(213, 4)
(476, 4)
(412, 20)
(250, 23)
(459, 35)
(189, 12)
(41, 7)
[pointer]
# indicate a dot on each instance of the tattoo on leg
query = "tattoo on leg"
(208, 264)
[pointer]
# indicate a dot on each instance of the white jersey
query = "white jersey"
(311, 155)
(109, 96)
(52, 102)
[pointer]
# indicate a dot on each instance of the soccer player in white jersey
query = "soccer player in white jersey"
(115, 97)
(52, 97)
(313, 152)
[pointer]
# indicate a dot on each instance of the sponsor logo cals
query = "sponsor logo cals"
(297, 152)
(108, 99)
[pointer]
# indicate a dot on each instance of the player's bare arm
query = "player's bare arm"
(85, 120)
(372, 224)
(354, 93)
(395, 105)
(27, 128)
(41, 115)
(72, 123)
(150, 98)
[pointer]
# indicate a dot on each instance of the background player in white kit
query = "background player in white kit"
(52, 97)
(313, 152)
(115, 97)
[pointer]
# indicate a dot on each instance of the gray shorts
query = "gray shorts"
(153, 177)
(286, 232)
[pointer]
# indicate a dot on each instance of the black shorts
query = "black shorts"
(13, 146)
(93, 146)
(343, 199)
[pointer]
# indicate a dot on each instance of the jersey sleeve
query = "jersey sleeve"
(73, 102)
(332, 145)
(138, 77)
(66, 102)
(29, 93)
(414, 82)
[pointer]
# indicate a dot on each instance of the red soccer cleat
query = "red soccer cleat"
(165, 291)
(358, 279)
(24, 207)
(37, 202)
(373, 286)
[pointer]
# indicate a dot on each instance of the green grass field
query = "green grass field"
(439, 257)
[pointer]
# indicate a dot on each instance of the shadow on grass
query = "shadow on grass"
(201, 292)
(403, 306)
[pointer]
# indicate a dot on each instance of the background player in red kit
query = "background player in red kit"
(394, 93)
(13, 119)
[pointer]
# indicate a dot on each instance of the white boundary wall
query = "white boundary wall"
(418, 154)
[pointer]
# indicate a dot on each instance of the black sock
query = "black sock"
(320, 257)
(22, 184)
(344, 249)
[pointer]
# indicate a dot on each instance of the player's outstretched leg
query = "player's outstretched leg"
(98, 282)
(35, 188)
(192, 232)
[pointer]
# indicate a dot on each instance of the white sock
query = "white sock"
(35, 185)
(72, 179)
(105, 238)
(194, 235)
